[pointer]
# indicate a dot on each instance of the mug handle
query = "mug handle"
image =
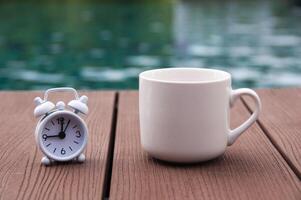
(235, 94)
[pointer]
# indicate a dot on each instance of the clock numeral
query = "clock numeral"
(63, 151)
(60, 120)
(70, 148)
(47, 129)
(54, 150)
(48, 145)
(44, 136)
(76, 142)
(78, 134)
(52, 122)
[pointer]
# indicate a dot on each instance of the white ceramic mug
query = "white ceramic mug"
(184, 113)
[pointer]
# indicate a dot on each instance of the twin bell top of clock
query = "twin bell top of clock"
(79, 104)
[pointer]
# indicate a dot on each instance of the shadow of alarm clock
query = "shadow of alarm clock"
(61, 133)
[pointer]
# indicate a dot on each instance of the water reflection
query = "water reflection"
(95, 45)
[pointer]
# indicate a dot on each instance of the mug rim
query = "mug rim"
(144, 75)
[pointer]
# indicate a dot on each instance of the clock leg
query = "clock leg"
(81, 158)
(46, 161)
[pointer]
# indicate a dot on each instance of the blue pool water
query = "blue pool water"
(106, 45)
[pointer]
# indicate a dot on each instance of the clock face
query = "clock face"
(62, 135)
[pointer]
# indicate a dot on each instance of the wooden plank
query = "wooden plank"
(21, 174)
(281, 120)
(250, 169)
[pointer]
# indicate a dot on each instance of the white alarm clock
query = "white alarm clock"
(61, 133)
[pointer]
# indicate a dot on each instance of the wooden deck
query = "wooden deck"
(265, 162)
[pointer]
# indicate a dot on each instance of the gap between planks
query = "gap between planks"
(273, 142)
(110, 155)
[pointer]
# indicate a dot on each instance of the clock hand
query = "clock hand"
(67, 126)
(49, 136)
(61, 135)
(62, 124)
